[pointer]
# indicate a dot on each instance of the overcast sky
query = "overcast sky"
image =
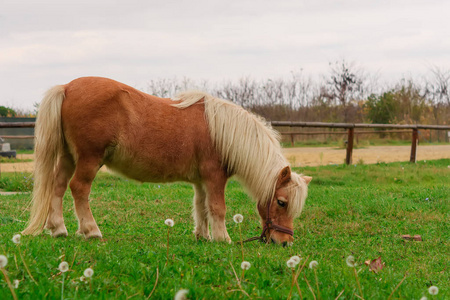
(44, 43)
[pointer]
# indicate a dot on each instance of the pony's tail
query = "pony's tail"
(49, 143)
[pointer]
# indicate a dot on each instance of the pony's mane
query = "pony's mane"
(249, 147)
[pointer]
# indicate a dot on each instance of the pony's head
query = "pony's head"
(278, 213)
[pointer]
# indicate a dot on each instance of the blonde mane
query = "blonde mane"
(249, 147)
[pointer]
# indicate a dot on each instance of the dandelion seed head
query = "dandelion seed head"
(351, 261)
(433, 290)
(88, 273)
(291, 263)
(16, 239)
(245, 265)
(16, 283)
(313, 264)
(169, 222)
(82, 279)
(3, 261)
(63, 267)
(296, 259)
(181, 295)
(238, 218)
(424, 298)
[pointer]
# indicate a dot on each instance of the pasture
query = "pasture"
(358, 210)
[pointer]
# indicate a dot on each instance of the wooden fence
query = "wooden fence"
(350, 131)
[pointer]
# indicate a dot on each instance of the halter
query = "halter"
(267, 226)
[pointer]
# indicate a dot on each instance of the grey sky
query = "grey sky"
(43, 43)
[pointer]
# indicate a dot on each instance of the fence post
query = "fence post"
(292, 140)
(415, 139)
(348, 159)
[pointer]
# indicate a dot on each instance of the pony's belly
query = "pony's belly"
(154, 170)
(147, 175)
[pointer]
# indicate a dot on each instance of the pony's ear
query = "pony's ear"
(307, 179)
(284, 177)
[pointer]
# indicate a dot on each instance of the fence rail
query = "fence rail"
(349, 126)
(16, 124)
(351, 132)
(358, 125)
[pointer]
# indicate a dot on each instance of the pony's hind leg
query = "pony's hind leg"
(63, 173)
(200, 213)
(80, 185)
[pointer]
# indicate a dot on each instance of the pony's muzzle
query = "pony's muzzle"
(276, 237)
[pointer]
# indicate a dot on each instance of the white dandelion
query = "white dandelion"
(16, 239)
(169, 222)
(238, 218)
(296, 259)
(424, 298)
(313, 264)
(88, 273)
(16, 283)
(433, 290)
(82, 279)
(291, 263)
(3, 261)
(63, 267)
(351, 261)
(181, 295)
(245, 265)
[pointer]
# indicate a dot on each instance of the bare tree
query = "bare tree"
(344, 85)
(439, 87)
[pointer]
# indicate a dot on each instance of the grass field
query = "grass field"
(13, 160)
(360, 210)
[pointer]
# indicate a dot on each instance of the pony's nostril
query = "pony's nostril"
(285, 244)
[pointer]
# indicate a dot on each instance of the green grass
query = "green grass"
(351, 210)
(13, 160)
(25, 151)
(16, 182)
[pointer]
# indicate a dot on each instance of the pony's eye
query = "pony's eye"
(281, 203)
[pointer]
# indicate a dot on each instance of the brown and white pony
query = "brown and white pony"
(197, 138)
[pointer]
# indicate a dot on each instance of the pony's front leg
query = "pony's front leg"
(215, 198)
(200, 213)
(81, 188)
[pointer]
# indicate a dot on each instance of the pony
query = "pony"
(194, 137)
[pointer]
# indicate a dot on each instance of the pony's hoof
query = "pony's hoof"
(93, 235)
(90, 235)
(226, 239)
(60, 233)
(200, 237)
